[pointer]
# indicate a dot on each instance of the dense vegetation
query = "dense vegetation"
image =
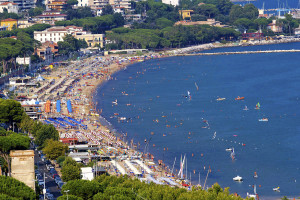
(112, 187)
(173, 36)
(12, 189)
(96, 25)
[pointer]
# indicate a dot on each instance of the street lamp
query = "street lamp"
(66, 191)
(44, 190)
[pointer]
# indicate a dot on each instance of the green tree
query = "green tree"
(70, 44)
(69, 197)
(54, 149)
(107, 10)
(44, 133)
(83, 188)
(208, 10)
(70, 170)
(13, 141)
(11, 112)
(15, 189)
(35, 11)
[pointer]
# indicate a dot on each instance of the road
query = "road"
(50, 183)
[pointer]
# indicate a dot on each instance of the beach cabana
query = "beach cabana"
(144, 166)
(151, 179)
(118, 166)
(132, 168)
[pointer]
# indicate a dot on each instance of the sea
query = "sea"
(153, 96)
(271, 4)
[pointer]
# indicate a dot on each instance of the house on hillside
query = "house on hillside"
(10, 7)
(274, 27)
(9, 23)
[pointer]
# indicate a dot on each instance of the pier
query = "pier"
(240, 52)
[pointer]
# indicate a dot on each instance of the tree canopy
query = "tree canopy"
(112, 187)
(11, 110)
(14, 189)
(54, 149)
(70, 170)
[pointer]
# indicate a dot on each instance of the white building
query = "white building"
(171, 2)
(24, 4)
(56, 33)
(10, 7)
(87, 173)
(83, 3)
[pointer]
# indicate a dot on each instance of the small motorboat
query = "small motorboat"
(263, 120)
(115, 102)
(255, 175)
(238, 178)
(228, 149)
(122, 118)
(240, 98)
(276, 189)
(220, 99)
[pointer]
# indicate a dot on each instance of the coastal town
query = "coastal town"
(55, 55)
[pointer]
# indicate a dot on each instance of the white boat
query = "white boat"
(276, 189)
(115, 102)
(122, 118)
(229, 149)
(238, 178)
(246, 108)
(252, 195)
(263, 120)
(220, 99)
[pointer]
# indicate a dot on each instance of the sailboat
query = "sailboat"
(232, 155)
(189, 95)
(182, 161)
(246, 108)
(252, 195)
(257, 107)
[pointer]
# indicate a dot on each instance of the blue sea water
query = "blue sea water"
(270, 4)
(156, 93)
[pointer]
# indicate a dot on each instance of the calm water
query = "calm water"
(274, 3)
(156, 93)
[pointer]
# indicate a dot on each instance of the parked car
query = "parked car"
(53, 171)
(55, 175)
(60, 184)
(49, 166)
(57, 179)
(49, 196)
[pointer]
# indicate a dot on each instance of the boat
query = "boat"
(115, 102)
(238, 178)
(257, 106)
(229, 149)
(246, 108)
(220, 99)
(255, 175)
(252, 195)
(240, 98)
(263, 120)
(122, 118)
(276, 189)
(232, 155)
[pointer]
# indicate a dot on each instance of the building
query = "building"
(19, 81)
(24, 4)
(133, 17)
(116, 4)
(211, 22)
(297, 31)
(185, 14)
(10, 7)
(33, 111)
(45, 53)
(56, 33)
(83, 3)
(171, 2)
(24, 23)
(274, 27)
(22, 166)
(53, 46)
(87, 173)
(92, 39)
(57, 5)
(9, 23)
(3, 28)
(50, 18)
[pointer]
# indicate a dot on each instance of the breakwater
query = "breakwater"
(240, 52)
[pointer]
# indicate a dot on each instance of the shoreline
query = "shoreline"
(114, 64)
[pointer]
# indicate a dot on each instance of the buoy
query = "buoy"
(201, 154)
(192, 155)
(153, 145)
